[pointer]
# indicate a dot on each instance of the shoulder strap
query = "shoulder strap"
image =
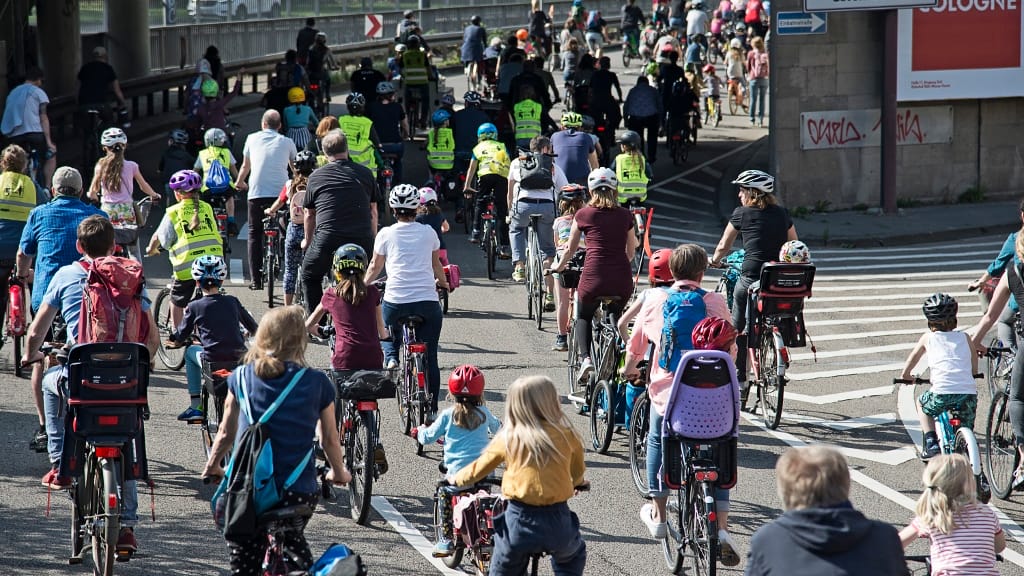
(284, 394)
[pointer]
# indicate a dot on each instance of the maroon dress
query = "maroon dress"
(607, 270)
(357, 346)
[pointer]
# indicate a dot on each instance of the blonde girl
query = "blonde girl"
(543, 458)
(571, 198)
(965, 535)
(274, 362)
(736, 73)
(112, 182)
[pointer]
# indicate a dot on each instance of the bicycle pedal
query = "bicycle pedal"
(576, 398)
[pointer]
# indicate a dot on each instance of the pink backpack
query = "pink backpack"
(453, 275)
(758, 64)
(112, 302)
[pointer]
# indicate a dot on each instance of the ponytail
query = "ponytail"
(194, 224)
(351, 288)
(467, 413)
(110, 167)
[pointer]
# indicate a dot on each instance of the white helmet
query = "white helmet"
(404, 197)
(795, 252)
(735, 43)
(757, 180)
(602, 178)
(112, 137)
(427, 195)
(215, 137)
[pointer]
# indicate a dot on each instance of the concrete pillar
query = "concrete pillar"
(128, 38)
(60, 51)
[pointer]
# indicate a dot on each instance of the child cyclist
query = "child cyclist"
(293, 194)
(218, 149)
(571, 198)
(543, 458)
(965, 535)
(113, 182)
(215, 319)
(687, 264)
(953, 361)
(632, 170)
(659, 275)
(466, 429)
(429, 213)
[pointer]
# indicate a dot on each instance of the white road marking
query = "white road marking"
(235, 271)
(916, 248)
(711, 172)
(848, 321)
(243, 232)
(887, 288)
(686, 173)
(900, 277)
(864, 335)
(411, 535)
(900, 296)
(857, 351)
(698, 185)
(911, 255)
(980, 262)
(886, 308)
(906, 405)
(670, 206)
(842, 425)
(687, 197)
(842, 396)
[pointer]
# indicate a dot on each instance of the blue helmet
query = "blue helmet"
(487, 131)
(440, 117)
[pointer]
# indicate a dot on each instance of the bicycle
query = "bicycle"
(489, 234)
(926, 561)
(535, 558)
(640, 213)
(534, 273)
(732, 266)
(606, 352)
(219, 203)
(215, 388)
(712, 110)
(737, 96)
(320, 106)
(569, 279)
(412, 393)
(15, 321)
(679, 141)
(957, 438)
(172, 357)
(474, 539)
(126, 236)
(278, 525)
(639, 428)
(630, 47)
(1001, 454)
(273, 254)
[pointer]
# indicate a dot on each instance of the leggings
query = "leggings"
(1017, 399)
(247, 556)
(582, 331)
(292, 256)
(739, 320)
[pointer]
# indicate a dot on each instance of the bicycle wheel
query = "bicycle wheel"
(172, 358)
(458, 549)
(625, 57)
(421, 421)
(733, 102)
(19, 341)
(491, 248)
(361, 446)
(299, 299)
(403, 393)
(104, 534)
(639, 424)
(967, 444)
(442, 295)
(672, 544)
(572, 368)
(537, 271)
(1001, 455)
(602, 416)
(530, 280)
(997, 370)
(702, 532)
(81, 492)
(769, 385)
(269, 272)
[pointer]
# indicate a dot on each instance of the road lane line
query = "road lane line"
(243, 232)
(863, 335)
(992, 242)
(873, 298)
(687, 197)
(848, 321)
(841, 396)
(699, 186)
(235, 271)
(842, 425)
(856, 351)
(681, 208)
(410, 534)
(686, 173)
(911, 255)
(819, 287)
(897, 277)
(885, 308)
(711, 172)
(980, 262)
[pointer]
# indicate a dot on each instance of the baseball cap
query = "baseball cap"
(67, 177)
(99, 52)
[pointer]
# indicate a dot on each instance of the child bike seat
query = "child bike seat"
(704, 399)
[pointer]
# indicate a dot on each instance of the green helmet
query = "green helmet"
(572, 119)
(210, 88)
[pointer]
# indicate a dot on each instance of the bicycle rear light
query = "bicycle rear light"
(366, 405)
(270, 232)
(112, 501)
(421, 380)
(314, 86)
(712, 517)
(108, 452)
(221, 216)
(706, 476)
(107, 420)
(954, 422)
(417, 348)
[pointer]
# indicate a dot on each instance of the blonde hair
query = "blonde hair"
(467, 413)
(13, 159)
(110, 166)
(604, 198)
(194, 196)
(812, 477)
(531, 406)
(569, 208)
(327, 124)
(948, 488)
(757, 43)
(280, 338)
(1018, 245)
(759, 199)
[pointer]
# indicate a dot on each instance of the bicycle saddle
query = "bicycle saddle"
(285, 514)
(414, 319)
(609, 299)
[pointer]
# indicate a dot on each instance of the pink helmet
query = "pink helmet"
(185, 181)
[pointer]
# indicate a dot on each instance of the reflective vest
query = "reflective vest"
(191, 244)
(360, 147)
(527, 118)
(414, 68)
(441, 149)
(630, 170)
(208, 154)
(491, 158)
(17, 196)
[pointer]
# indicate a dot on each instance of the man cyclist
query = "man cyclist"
(602, 103)
(365, 80)
(304, 40)
(575, 153)
(416, 75)
(26, 123)
(96, 79)
(363, 142)
(319, 64)
(632, 19)
(49, 236)
(391, 125)
(697, 24)
(474, 40)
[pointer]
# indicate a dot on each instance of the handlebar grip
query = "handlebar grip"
(979, 375)
(209, 479)
(902, 381)
(582, 488)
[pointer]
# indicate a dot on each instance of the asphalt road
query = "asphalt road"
(864, 318)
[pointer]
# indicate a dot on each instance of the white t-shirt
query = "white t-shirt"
(949, 363)
(269, 154)
(696, 23)
(408, 249)
(556, 175)
(22, 113)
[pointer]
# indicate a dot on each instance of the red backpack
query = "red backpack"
(112, 302)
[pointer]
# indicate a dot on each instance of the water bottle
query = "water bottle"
(17, 311)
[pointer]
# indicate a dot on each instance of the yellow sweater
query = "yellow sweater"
(526, 482)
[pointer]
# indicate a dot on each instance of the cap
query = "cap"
(67, 177)
(99, 52)
(408, 13)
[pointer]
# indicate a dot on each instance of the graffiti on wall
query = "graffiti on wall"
(863, 128)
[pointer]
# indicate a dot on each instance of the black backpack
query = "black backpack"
(535, 171)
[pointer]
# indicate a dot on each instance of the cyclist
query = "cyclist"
(440, 144)
(391, 124)
(543, 458)
(575, 151)
(736, 72)
(643, 111)
(274, 361)
(218, 148)
(416, 75)
(320, 64)
(474, 38)
(697, 24)
(611, 243)
(293, 195)
(430, 213)
(466, 429)
(632, 19)
(49, 237)
(175, 157)
(27, 123)
(765, 227)
(366, 79)
(687, 264)
(570, 199)
(527, 114)
(187, 231)
(490, 164)
(597, 33)
(602, 104)
(713, 91)
(953, 361)
(19, 195)
(631, 169)
(214, 318)
(363, 143)
(299, 119)
(446, 103)
(466, 123)
(212, 112)
(998, 267)
(659, 275)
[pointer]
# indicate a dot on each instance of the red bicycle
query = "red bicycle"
(15, 324)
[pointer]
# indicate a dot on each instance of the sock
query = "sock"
(42, 428)
(231, 218)
(195, 401)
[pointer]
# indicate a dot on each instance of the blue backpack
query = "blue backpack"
(682, 311)
(217, 179)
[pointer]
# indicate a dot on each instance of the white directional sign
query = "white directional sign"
(787, 23)
(835, 5)
(374, 27)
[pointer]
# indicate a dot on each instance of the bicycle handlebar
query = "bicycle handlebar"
(996, 352)
(914, 380)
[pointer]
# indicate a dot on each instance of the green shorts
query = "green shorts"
(965, 404)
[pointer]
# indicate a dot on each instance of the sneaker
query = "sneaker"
(191, 415)
(549, 303)
(505, 252)
(232, 228)
(585, 369)
(443, 548)
(257, 286)
(561, 343)
(391, 365)
(380, 459)
(38, 442)
(931, 449)
(656, 529)
(984, 490)
(1018, 481)
(55, 482)
(126, 540)
(474, 236)
(727, 549)
(519, 274)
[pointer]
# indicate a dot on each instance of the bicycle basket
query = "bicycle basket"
(126, 234)
(365, 385)
(570, 277)
(704, 399)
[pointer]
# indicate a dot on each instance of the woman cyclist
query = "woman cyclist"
(611, 243)
(411, 252)
(299, 118)
(765, 227)
(293, 195)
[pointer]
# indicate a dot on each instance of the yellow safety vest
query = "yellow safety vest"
(17, 196)
(414, 68)
(203, 241)
(527, 118)
(441, 149)
(630, 170)
(491, 158)
(207, 156)
(360, 147)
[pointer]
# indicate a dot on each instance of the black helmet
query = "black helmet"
(348, 260)
(475, 20)
(940, 307)
(630, 138)
(355, 102)
(305, 162)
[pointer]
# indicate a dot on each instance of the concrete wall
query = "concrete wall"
(841, 70)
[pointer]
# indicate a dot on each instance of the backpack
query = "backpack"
(295, 202)
(112, 302)
(338, 560)
(682, 311)
(218, 179)
(535, 169)
(248, 488)
(759, 65)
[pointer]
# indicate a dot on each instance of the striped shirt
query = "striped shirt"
(969, 549)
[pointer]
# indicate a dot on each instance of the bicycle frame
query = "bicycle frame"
(782, 352)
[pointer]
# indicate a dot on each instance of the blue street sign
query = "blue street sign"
(801, 23)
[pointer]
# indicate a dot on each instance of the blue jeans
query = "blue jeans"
(655, 487)
(520, 212)
(292, 255)
(398, 149)
(194, 369)
(429, 333)
(758, 96)
(523, 530)
(54, 410)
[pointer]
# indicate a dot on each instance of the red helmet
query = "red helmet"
(713, 333)
(466, 380)
(658, 271)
